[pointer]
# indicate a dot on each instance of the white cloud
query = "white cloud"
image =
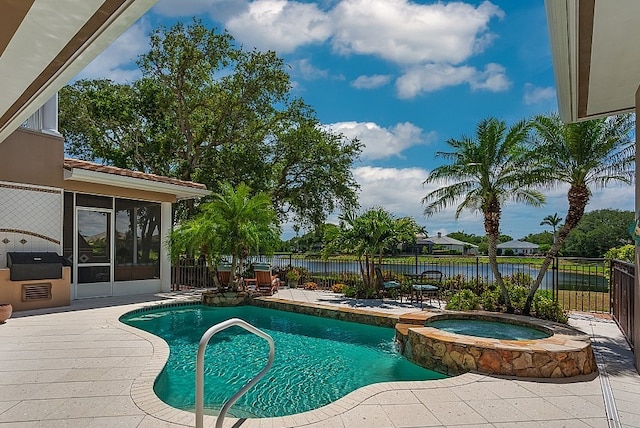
(397, 30)
(371, 82)
(493, 79)
(279, 25)
(400, 191)
(535, 94)
(308, 71)
(381, 142)
(117, 62)
(615, 197)
(432, 77)
(410, 33)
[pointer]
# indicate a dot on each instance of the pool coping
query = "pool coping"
(145, 398)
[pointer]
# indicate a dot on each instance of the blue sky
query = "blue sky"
(402, 76)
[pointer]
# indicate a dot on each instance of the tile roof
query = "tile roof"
(91, 166)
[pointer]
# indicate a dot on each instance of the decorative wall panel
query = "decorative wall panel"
(30, 219)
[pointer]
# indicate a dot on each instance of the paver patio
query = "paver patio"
(80, 367)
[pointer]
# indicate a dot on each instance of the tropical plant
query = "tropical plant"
(553, 221)
(339, 287)
(626, 253)
(586, 154)
(293, 275)
(310, 285)
(367, 235)
(234, 223)
(484, 172)
(465, 300)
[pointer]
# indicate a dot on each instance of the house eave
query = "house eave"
(95, 177)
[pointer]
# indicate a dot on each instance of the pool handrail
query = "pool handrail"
(204, 340)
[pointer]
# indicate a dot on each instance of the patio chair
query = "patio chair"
(224, 275)
(430, 283)
(385, 286)
(264, 282)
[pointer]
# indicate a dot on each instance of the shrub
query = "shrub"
(518, 296)
(508, 252)
(349, 292)
(489, 300)
(455, 282)
(338, 287)
(310, 285)
(547, 309)
(464, 300)
(519, 278)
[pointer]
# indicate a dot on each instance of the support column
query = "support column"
(636, 314)
(165, 258)
(50, 115)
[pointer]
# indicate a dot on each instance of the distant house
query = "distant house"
(520, 248)
(443, 242)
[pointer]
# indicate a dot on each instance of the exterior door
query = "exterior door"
(93, 264)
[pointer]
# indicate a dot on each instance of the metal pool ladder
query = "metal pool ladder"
(200, 368)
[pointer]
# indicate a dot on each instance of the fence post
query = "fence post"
(416, 261)
(477, 270)
(554, 279)
(611, 285)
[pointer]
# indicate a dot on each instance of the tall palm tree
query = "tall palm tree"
(553, 221)
(585, 154)
(483, 173)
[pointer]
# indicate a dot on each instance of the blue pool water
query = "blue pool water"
(317, 360)
(491, 329)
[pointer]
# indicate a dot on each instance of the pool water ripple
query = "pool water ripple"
(317, 360)
(491, 329)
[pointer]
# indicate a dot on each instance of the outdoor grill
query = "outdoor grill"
(34, 265)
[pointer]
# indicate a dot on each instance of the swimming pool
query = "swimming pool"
(317, 360)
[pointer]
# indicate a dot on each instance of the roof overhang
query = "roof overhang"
(96, 177)
(596, 57)
(45, 43)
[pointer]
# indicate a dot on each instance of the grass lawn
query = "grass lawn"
(584, 301)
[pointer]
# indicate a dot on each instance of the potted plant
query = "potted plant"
(5, 312)
(293, 276)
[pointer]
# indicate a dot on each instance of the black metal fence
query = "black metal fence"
(622, 297)
(191, 273)
(578, 284)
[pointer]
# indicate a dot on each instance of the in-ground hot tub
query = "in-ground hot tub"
(547, 349)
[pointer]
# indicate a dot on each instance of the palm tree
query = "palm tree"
(584, 154)
(234, 223)
(483, 173)
(369, 234)
(553, 221)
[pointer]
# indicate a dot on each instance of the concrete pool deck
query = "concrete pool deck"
(78, 366)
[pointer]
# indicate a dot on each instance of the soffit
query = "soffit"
(596, 55)
(44, 44)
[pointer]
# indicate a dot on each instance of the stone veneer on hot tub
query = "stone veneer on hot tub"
(567, 352)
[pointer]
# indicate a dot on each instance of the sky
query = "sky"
(401, 76)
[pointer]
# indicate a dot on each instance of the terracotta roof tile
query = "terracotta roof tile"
(91, 166)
